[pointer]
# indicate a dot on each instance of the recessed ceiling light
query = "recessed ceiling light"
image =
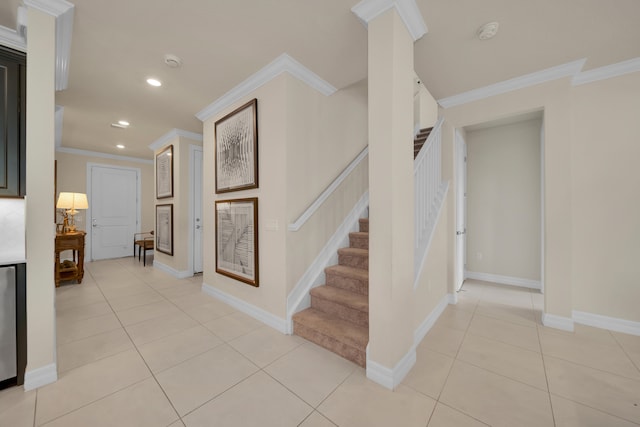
(154, 82)
(487, 31)
(123, 123)
(120, 146)
(172, 61)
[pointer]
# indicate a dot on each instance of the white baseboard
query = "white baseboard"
(605, 322)
(452, 298)
(257, 313)
(503, 280)
(40, 377)
(430, 320)
(391, 378)
(299, 299)
(172, 271)
(557, 322)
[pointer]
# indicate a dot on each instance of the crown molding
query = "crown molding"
(607, 72)
(408, 11)
(63, 12)
(88, 153)
(565, 70)
(10, 38)
(171, 135)
(283, 63)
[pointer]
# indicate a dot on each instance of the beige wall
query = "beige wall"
(272, 201)
(554, 99)
(590, 180)
(391, 241)
(72, 176)
(605, 192)
(305, 140)
(503, 202)
(324, 135)
(40, 228)
(179, 261)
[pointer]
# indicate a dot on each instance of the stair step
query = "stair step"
(341, 337)
(354, 257)
(364, 225)
(350, 306)
(359, 239)
(348, 278)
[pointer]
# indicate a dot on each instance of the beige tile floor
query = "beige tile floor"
(139, 348)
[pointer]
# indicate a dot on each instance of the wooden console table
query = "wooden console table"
(70, 270)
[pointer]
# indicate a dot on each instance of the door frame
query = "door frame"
(90, 165)
(191, 212)
(461, 174)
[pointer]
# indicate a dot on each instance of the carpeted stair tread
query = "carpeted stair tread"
(342, 296)
(344, 338)
(364, 225)
(354, 257)
(359, 239)
(340, 303)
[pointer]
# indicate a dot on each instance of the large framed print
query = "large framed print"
(237, 239)
(164, 173)
(236, 137)
(164, 229)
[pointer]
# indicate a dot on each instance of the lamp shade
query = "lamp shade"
(72, 201)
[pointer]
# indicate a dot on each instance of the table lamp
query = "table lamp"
(71, 202)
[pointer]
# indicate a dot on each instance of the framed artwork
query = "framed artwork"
(237, 149)
(164, 229)
(164, 173)
(237, 239)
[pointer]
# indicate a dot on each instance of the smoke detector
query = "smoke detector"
(172, 61)
(487, 31)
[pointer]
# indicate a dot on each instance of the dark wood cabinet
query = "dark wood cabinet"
(12, 123)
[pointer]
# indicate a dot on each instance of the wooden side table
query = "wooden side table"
(70, 270)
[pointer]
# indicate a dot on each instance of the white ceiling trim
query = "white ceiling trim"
(63, 12)
(171, 135)
(408, 10)
(607, 72)
(283, 63)
(11, 38)
(89, 153)
(565, 70)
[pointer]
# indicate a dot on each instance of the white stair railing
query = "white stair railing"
(429, 190)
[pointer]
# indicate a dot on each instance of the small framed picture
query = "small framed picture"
(164, 173)
(237, 239)
(164, 229)
(237, 149)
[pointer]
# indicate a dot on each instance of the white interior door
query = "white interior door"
(114, 211)
(461, 209)
(197, 210)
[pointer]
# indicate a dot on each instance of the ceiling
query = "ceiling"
(117, 44)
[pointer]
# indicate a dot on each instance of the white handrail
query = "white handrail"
(298, 223)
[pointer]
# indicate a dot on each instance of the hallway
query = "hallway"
(137, 347)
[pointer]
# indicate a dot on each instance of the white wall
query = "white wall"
(503, 200)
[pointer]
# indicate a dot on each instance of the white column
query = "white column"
(41, 58)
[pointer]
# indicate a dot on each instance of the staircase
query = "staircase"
(420, 139)
(338, 318)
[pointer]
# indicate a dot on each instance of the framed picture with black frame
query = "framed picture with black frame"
(164, 229)
(164, 173)
(237, 239)
(236, 147)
